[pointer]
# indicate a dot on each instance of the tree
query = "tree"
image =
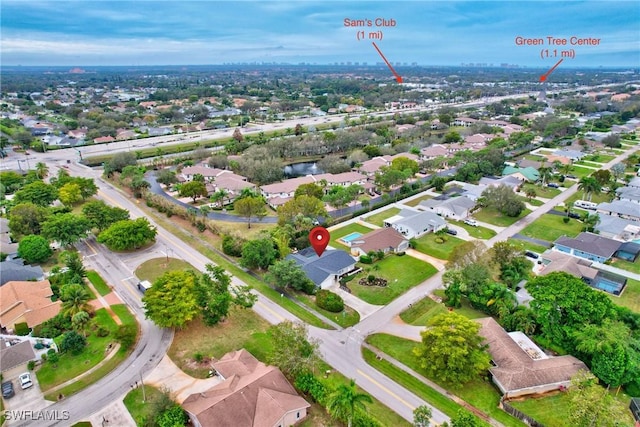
(612, 141)
(589, 221)
(218, 197)
(339, 196)
(42, 170)
(311, 189)
(193, 189)
(69, 194)
(101, 215)
(438, 182)
(293, 351)
(175, 416)
(26, 218)
(33, 248)
(80, 320)
(37, 192)
(422, 416)
(545, 174)
(452, 350)
(306, 206)
(258, 253)
(287, 274)
(346, 402)
(166, 177)
(618, 171)
(128, 234)
(212, 294)
(250, 207)
(504, 200)
(119, 161)
(464, 419)
(386, 178)
(531, 193)
(591, 405)
(237, 135)
(298, 130)
(171, 302)
(452, 136)
(74, 264)
(66, 228)
(466, 253)
(602, 176)
(73, 342)
(589, 185)
(404, 163)
(75, 299)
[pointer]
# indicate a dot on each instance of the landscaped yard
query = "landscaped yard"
(492, 216)
(581, 172)
(633, 267)
(401, 273)
(343, 231)
(532, 202)
(420, 313)
(527, 246)
(479, 393)
(378, 219)
(478, 232)
(544, 192)
(347, 317)
(549, 227)
(152, 269)
(427, 244)
(98, 282)
(595, 198)
(415, 202)
(630, 296)
(600, 158)
(138, 408)
(243, 328)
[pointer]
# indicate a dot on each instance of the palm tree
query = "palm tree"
(218, 197)
(545, 174)
(75, 299)
(80, 320)
(589, 185)
(42, 170)
(346, 401)
(530, 192)
(590, 221)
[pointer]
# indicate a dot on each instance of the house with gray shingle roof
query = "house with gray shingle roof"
(626, 210)
(454, 207)
(14, 269)
(589, 246)
(413, 224)
(325, 270)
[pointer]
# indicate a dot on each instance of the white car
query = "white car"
(471, 222)
(25, 380)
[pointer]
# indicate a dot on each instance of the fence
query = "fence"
(521, 416)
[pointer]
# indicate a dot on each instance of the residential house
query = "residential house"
(26, 302)
(287, 188)
(479, 139)
(218, 179)
(12, 355)
(510, 181)
(251, 394)
(103, 139)
(572, 155)
(629, 194)
(325, 270)
(635, 182)
(385, 239)
(413, 223)
(373, 165)
(589, 246)
(620, 209)
(13, 269)
(159, 131)
(456, 208)
(554, 261)
(465, 121)
(527, 174)
(433, 151)
(617, 228)
(520, 367)
(628, 251)
(124, 134)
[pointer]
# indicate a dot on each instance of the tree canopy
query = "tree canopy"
(258, 253)
(293, 351)
(37, 192)
(171, 301)
(250, 207)
(33, 248)
(287, 274)
(66, 228)
(101, 215)
(128, 234)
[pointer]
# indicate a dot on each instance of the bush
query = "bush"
(232, 246)
(366, 259)
(31, 365)
(102, 332)
(565, 219)
(53, 327)
(329, 301)
(198, 357)
(400, 253)
(308, 383)
(440, 240)
(126, 335)
(22, 329)
(72, 342)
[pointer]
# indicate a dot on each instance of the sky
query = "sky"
(170, 32)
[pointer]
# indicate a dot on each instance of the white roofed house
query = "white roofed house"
(454, 208)
(218, 179)
(413, 224)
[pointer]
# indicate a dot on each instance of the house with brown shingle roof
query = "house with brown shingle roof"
(385, 239)
(522, 368)
(252, 394)
(28, 302)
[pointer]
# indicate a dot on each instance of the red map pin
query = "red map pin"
(319, 238)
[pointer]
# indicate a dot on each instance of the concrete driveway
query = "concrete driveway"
(30, 399)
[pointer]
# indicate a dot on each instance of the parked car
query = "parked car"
(531, 255)
(574, 215)
(25, 380)
(553, 185)
(451, 231)
(7, 390)
(572, 176)
(471, 222)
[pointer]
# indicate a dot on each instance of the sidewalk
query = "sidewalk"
(436, 262)
(115, 414)
(363, 308)
(168, 375)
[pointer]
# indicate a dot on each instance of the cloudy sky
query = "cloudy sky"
(142, 32)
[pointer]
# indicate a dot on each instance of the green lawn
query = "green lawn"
(70, 366)
(492, 216)
(477, 232)
(527, 246)
(343, 231)
(420, 312)
(347, 317)
(549, 227)
(138, 409)
(98, 282)
(600, 158)
(152, 269)
(544, 192)
(633, 267)
(243, 328)
(532, 202)
(401, 272)
(630, 296)
(378, 219)
(427, 245)
(480, 393)
(595, 198)
(415, 202)
(581, 172)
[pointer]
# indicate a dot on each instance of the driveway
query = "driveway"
(30, 399)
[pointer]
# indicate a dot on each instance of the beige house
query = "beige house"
(26, 302)
(520, 367)
(385, 239)
(251, 395)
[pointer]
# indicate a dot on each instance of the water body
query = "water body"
(302, 169)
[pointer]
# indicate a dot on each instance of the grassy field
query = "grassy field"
(415, 202)
(633, 267)
(240, 228)
(532, 202)
(378, 219)
(343, 231)
(401, 272)
(595, 198)
(420, 313)
(479, 393)
(492, 216)
(98, 282)
(581, 172)
(139, 409)
(630, 297)
(347, 317)
(152, 269)
(243, 328)
(549, 227)
(477, 232)
(544, 192)
(527, 246)
(427, 245)
(600, 158)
